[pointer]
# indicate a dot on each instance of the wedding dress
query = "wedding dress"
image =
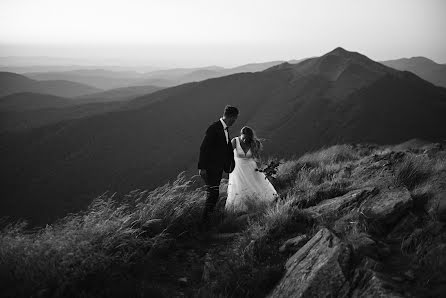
(246, 186)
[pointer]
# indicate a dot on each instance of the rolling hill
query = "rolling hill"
(339, 97)
(109, 79)
(99, 78)
(14, 83)
(124, 93)
(422, 67)
(25, 101)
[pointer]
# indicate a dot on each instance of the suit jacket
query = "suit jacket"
(215, 153)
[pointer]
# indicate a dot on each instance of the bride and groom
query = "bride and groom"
(237, 157)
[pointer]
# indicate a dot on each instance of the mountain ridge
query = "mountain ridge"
(127, 148)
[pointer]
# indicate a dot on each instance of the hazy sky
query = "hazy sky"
(221, 32)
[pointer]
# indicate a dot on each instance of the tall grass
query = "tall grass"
(414, 170)
(111, 232)
(253, 263)
(333, 154)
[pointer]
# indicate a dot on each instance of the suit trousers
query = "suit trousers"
(213, 178)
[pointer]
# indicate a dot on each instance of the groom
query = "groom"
(216, 156)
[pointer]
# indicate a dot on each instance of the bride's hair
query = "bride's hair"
(254, 142)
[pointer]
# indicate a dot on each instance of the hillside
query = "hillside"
(339, 97)
(357, 220)
(27, 119)
(99, 78)
(124, 93)
(108, 79)
(14, 83)
(25, 101)
(422, 67)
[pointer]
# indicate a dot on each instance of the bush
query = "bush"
(413, 171)
(107, 235)
(333, 154)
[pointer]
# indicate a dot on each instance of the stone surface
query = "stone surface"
(368, 283)
(208, 268)
(405, 226)
(384, 210)
(293, 244)
(441, 209)
(318, 269)
(363, 245)
(336, 205)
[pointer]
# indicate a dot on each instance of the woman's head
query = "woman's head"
(248, 136)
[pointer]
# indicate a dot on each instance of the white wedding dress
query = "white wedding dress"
(247, 187)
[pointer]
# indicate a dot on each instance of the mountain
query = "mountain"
(124, 93)
(16, 117)
(111, 79)
(340, 97)
(25, 101)
(422, 67)
(99, 78)
(14, 83)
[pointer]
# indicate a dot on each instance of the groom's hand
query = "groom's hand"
(203, 174)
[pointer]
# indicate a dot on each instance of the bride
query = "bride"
(246, 185)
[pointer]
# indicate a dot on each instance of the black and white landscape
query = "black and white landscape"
(104, 106)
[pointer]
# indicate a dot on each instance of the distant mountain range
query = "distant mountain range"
(118, 94)
(23, 111)
(107, 79)
(13, 83)
(422, 67)
(27, 110)
(340, 97)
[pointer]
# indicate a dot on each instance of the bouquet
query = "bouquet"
(270, 170)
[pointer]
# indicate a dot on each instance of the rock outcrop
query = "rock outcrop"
(319, 268)
(386, 209)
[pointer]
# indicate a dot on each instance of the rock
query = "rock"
(363, 245)
(153, 227)
(318, 269)
(293, 244)
(368, 283)
(404, 227)
(183, 281)
(385, 209)
(336, 205)
(409, 274)
(208, 268)
(224, 236)
(441, 209)
(372, 285)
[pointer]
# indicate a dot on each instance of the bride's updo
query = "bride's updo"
(252, 140)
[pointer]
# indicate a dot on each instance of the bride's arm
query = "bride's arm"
(234, 144)
(256, 155)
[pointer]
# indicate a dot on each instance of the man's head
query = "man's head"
(230, 115)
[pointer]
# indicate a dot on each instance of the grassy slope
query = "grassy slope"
(143, 243)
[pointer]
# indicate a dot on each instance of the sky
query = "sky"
(190, 33)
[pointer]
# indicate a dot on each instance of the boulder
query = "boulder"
(336, 205)
(318, 269)
(208, 268)
(441, 209)
(363, 245)
(404, 227)
(368, 283)
(384, 210)
(293, 244)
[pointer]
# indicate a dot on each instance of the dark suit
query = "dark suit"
(216, 156)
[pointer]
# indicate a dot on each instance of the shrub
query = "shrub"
(413, 171)
(108, 234)
(333, 154)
